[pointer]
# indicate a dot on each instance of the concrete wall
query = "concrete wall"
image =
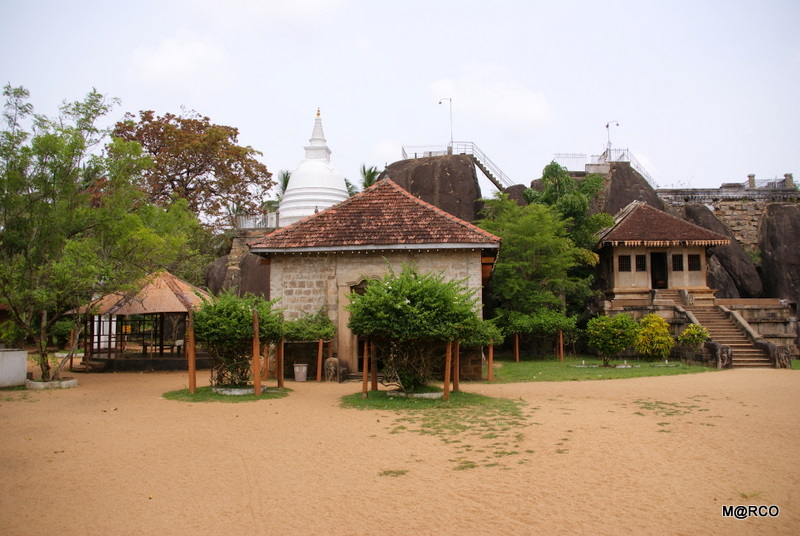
(304, 283)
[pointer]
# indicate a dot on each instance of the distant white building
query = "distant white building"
(315, 185)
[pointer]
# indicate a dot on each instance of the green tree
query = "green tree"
(71, 217)
(369, 176)
(281, 185)
(610, 335)
(225, 326)
(572, 200)
(412, 314)
(653, 339)
(532, 273)
(199, 161)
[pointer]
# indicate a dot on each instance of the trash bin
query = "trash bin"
(300, 371)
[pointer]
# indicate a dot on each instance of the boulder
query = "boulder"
(447, 182)
(733, 258)
(780, 255)
(627, 185)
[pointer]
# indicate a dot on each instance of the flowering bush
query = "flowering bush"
(653, 339)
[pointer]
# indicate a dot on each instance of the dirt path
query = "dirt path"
(640, 456)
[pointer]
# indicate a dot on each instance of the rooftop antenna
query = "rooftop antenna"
(608, 131)
(451, 118)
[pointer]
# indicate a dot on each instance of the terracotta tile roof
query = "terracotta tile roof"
(639, 224)
(159, 292)
(384, 216)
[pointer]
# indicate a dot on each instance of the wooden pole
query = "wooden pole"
(256, 356)
(190, 353)
(265, 364)
(279, 363)
(374, 368)
(516, 347)
(491, 360)
(319, 360)
(71, 347)
(364, 369)
(448, 358)
(561, 345)
(456, 366)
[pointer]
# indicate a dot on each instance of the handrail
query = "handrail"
(571, 160)
(459, 147)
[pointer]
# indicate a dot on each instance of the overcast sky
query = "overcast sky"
(705, 92)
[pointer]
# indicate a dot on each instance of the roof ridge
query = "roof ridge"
(440, 211)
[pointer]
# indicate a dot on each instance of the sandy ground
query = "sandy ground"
(641, 456)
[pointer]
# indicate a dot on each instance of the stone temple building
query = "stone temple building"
(318, 261)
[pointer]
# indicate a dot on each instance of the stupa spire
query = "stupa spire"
(317, 149)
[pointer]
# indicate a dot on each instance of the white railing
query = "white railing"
(578, 162)
(458, 147)
(257, 221)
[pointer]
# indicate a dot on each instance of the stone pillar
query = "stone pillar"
(751, 181)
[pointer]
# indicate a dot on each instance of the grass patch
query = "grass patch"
(552, 370)
(393, 472)
(205, 394)
(481, 430)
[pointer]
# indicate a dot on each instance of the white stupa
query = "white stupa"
(315, 184)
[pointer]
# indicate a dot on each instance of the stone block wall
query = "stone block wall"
(306, 282)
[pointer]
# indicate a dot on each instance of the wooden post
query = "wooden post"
(364, 369)
(279, 363)
(448, 358)
(319, 360)
(456, 366)
(265, 363)
(516, 347)
(374, 368)
(190, 353)
(561, 345)
(491, 360)
(256, 356)
(71, 347)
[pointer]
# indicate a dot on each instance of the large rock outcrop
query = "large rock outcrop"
(627, 185)
(447, 182)
(733, 259)
(779, 236)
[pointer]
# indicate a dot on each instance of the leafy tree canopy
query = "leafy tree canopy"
(412, 306)
(532, 273)
(225, 325)
(410, 313)
(73, 224)
(199, 161)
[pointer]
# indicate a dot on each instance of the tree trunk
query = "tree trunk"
(41, 344)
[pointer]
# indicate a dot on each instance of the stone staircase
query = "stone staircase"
(725, 331)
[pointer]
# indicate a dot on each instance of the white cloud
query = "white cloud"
(183, 64)
(492, 96)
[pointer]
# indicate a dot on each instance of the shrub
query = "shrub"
(610, 335)
(653, 340)
(310, 327)
(693, 336)
(225, 326)
(411, 314)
